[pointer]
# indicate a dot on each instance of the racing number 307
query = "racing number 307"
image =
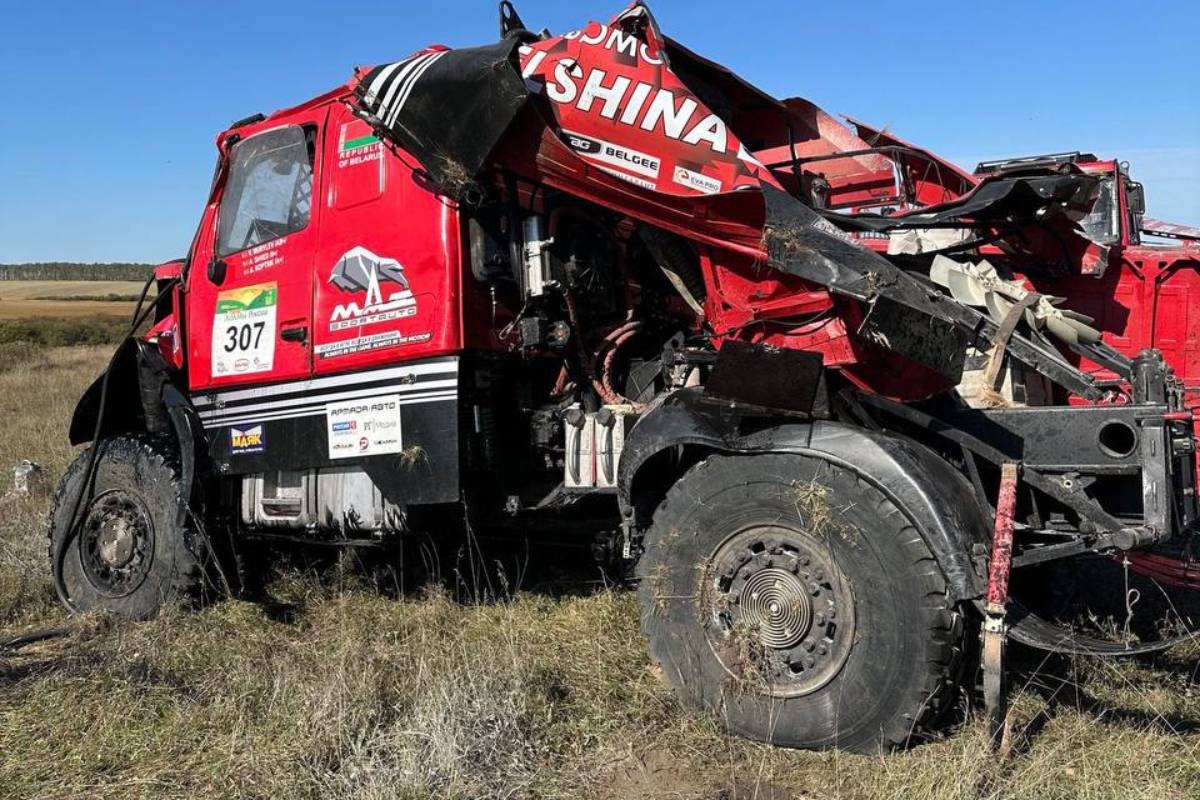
(244, 337)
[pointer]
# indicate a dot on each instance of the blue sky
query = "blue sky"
(110, 107)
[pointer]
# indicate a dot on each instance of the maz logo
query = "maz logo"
(360, 270)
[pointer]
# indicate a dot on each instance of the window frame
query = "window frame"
(309, 133)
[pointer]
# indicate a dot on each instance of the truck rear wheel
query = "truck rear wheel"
(129, 553)
(799, 605)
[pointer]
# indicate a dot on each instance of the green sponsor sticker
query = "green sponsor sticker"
(247, 298)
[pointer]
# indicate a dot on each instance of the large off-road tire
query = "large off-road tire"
(130, 553)
(795, 602)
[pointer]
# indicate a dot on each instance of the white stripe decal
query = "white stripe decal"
(377, 85)
(317, 407)
(401, 81)
(330, 397)
(408, 89)
(333, 394)
(449, 365)
(317, 411)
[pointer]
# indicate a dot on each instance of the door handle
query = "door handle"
(296, 333)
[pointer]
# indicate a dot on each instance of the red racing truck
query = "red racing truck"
(486, 287)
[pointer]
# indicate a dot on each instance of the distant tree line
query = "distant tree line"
(73, 271)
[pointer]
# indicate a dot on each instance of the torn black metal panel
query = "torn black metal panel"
(1004, 200)
(477, 89)
(929, 341)
(791, 381)
(798, 241)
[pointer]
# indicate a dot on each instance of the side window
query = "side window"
(269, 191)
(1102, 224)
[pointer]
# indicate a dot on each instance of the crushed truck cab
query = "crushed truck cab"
(837, 413)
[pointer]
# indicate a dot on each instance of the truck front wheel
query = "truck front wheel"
(798, 604)
(130, 553)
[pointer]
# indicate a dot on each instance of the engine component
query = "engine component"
(980, 285)
(536, 255)
(594, 442)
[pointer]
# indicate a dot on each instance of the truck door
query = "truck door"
(387, 266)
(249, 298)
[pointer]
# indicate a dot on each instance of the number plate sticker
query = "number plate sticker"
(366, 427)
(243, 339)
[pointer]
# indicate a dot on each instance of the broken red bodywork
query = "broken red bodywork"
(797, 221)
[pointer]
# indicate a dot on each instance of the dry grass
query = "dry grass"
(354, 695)
(19, 338)
(29, 299)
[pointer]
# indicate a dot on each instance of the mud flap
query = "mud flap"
(187, 427)
(1033, 631)
(918, 481)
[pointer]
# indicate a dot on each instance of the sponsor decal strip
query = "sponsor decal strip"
(614, 154)
(635, 180)
(415, 372)
(318, 410)
(325, 397)
(306, 398)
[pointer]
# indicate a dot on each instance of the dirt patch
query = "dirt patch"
(662, 774)
(655, 774)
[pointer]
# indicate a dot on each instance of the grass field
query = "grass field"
(341, 692)
(25, 299)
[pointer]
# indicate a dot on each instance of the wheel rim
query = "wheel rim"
(778, 611)
(116, 543)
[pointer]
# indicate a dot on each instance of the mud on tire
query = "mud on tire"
(129, 553)
(796, 603)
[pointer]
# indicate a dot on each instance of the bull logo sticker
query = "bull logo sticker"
(382, 280)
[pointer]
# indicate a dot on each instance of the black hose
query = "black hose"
(139, 316)
(10, 646)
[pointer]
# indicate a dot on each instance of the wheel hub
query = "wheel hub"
(774, 602)
(116, 543)
(779, 606)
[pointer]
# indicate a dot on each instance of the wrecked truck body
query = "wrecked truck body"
(483, 287)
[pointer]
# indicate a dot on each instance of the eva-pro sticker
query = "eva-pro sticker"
(243, 339)
(366, 427)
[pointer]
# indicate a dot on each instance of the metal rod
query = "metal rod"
(995, 632)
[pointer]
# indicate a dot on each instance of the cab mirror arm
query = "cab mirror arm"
(216, 271)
